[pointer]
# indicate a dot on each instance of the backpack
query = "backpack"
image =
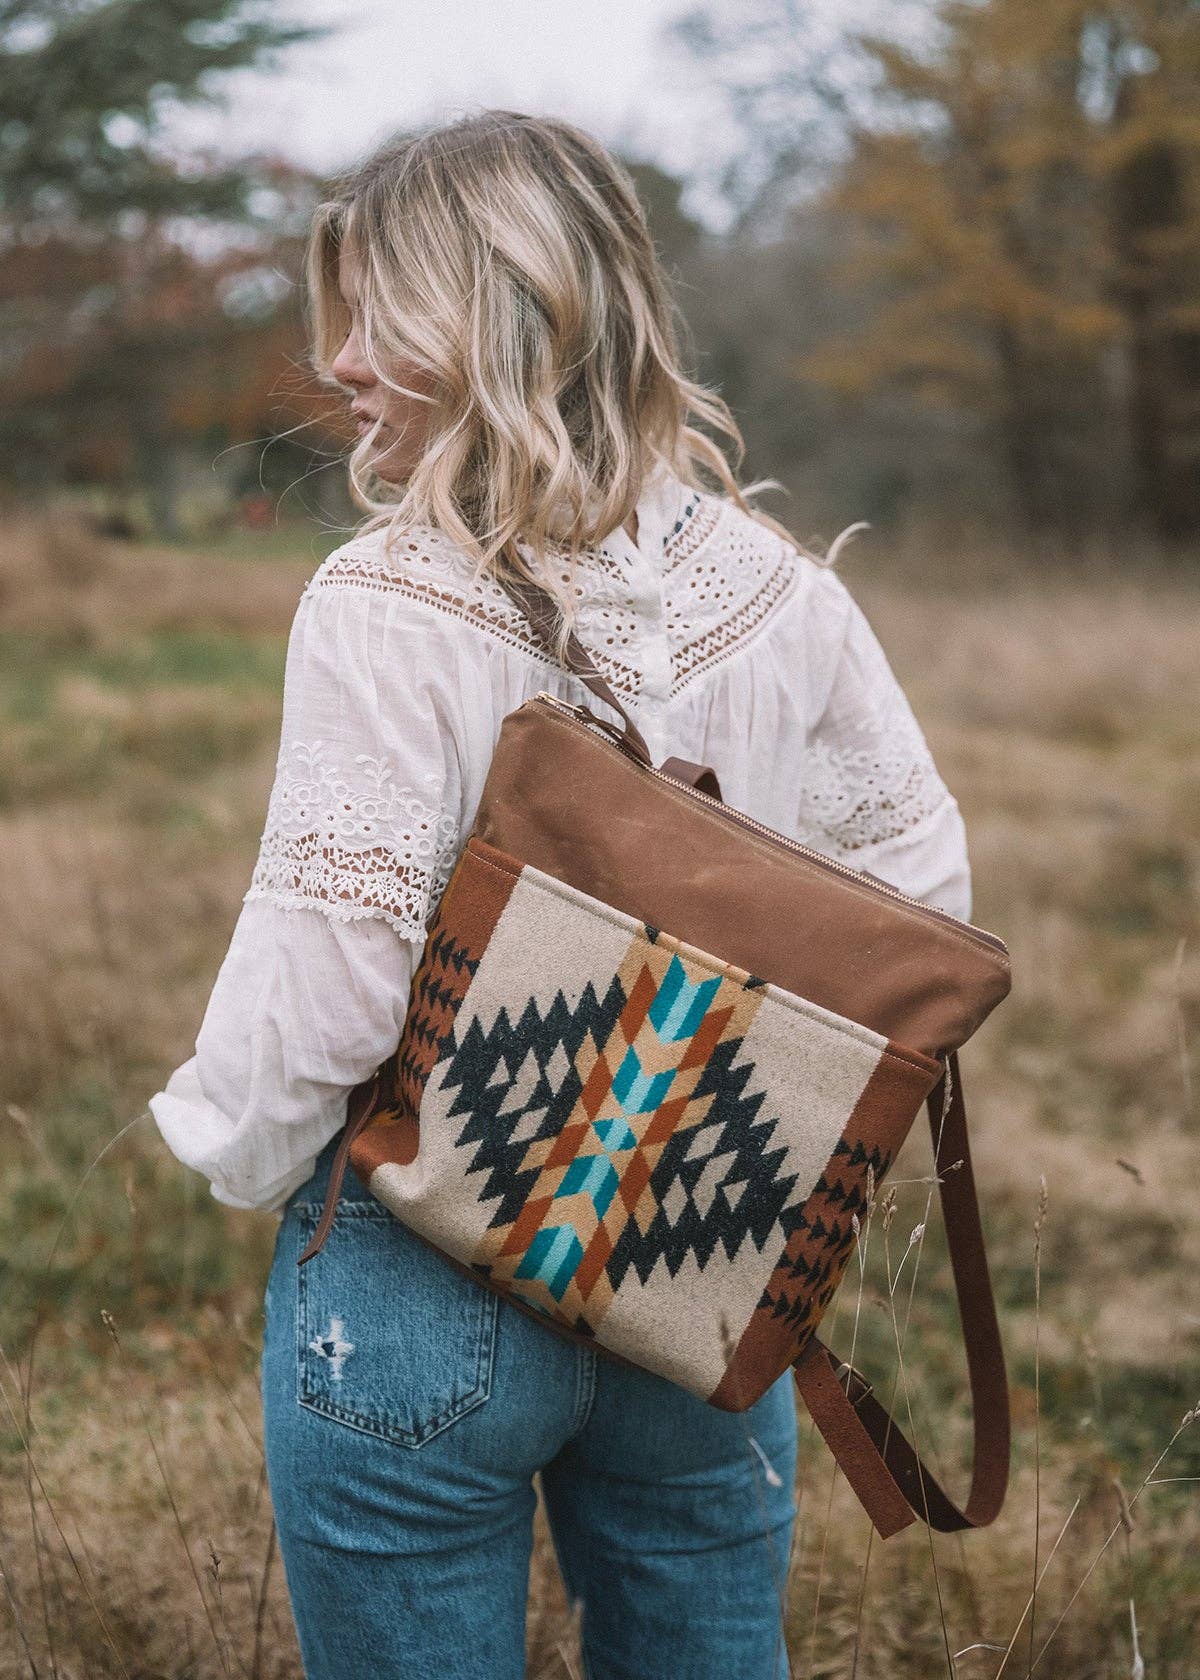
(657, 1061)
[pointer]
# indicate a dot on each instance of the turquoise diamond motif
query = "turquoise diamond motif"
(593, 1175)
(638, 1092)
(552, 1258)
(615, 1134)
(680, 1004)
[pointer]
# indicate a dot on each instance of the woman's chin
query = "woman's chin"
(383, 466)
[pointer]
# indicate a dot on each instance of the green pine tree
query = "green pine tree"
(92, 327)
(84, 88)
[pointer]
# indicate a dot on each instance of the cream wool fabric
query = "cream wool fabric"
(809, 1065)
(729, 647)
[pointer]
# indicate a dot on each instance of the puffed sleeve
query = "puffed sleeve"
(361, 832)
(872, 794)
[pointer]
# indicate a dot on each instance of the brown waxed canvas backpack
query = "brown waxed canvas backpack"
(656, 1062)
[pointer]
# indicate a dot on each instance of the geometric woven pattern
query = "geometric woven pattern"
(822, 1236)
(618, 1132)
(653, 1148)
(438, 987)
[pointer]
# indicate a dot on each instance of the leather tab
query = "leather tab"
(699, 776)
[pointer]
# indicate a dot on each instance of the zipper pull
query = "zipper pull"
(580, 712)
(593, 720)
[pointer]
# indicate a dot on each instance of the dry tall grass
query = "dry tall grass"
(140, 694)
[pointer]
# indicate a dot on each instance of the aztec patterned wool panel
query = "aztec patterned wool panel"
(655, 1149)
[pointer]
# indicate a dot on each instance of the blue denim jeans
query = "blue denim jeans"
(407, 1412)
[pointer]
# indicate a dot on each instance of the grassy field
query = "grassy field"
(139, 697)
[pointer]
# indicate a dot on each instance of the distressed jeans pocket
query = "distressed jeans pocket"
(391, 1340)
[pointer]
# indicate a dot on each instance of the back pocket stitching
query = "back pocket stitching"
(385, 1427)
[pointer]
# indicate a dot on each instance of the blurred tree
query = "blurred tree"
(1036, 209)
(1144, 61)
(779, 288)
(85, 86)
(794, 82)
(102, 306)
(122, 354)
(975, 194)
(1022, 179)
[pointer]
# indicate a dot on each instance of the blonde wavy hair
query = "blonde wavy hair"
(508, 258)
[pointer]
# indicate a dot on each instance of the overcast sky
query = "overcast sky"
(392, 63)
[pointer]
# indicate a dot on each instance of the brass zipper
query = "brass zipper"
(585, 719)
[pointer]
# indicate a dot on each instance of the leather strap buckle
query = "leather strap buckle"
(855, 1384)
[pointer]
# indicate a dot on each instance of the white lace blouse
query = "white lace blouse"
(729, 647)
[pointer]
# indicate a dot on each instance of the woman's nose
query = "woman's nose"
(350, 367)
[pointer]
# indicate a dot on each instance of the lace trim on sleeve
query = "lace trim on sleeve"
(865, 794)
(368, 849)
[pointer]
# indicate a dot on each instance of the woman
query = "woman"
(489, 294)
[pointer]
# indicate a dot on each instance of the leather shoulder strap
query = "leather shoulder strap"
(541, 610)
(360, 1107)
(882, 1467)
